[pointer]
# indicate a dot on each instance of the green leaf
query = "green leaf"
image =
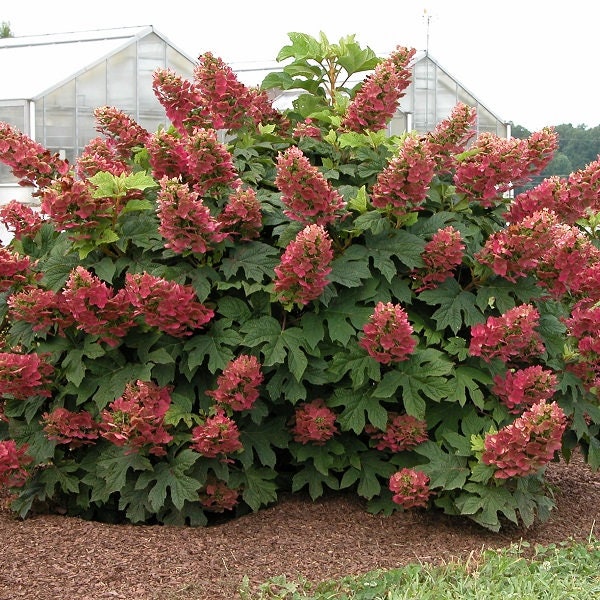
(465, 379)
(356, 405)
(216, 343)
(258, 486)
(256, 259)
(315, 480)
(457, 308)
(446, 471)
(362, 367)
(406, 247)
(112, 383)
(259, 440)
(372, 469)
(344, 317)
(483, 503)
(170, 475)
(112, 467)
(351, 268)
(60, 473)
(32, 434)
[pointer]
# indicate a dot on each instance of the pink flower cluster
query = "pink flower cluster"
(14, 269)
(216, 496)
(237, 386)
(450, 136)
(519, 389)
(403, 432)
(24, 375)
(560, 256)
(242, 215)
(29, 161)
(123, 132)
(388, 334)
(45, 310)
(584, 326)
(20, 219)
(171, 307)
(528, 443)
(136, 419)
(377, 99)
(301, 275)
(308, 196)
(75, 429)
(314, 423)
(96, 308)
(218, 435)
(508, 337)
(499, 164)
(167, 155)
(13, 461)
(441, 255)
(99, 155)
(185, 221)
(307, 129)
(410, 488)
(401, 188)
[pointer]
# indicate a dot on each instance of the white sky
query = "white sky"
(532, 62)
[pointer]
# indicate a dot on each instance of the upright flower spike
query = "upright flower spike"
(13, 460)
(15, 270)
(185, 221)
(520, 389)
(237, 386)
(24, 376)
(44, 310)
(388, 334)
(302, 272)
(218, 435)
(216, 496)
(242, 216)
(74, 429)
(307, 195)
(527, 444)
(167, 155)
(401, 188)
(98, 155)
(21, 220)
(121, 129)
(29, 161)
(377, 99)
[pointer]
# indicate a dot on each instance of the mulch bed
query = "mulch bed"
(52, 557)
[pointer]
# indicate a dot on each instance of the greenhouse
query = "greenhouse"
(51, 85)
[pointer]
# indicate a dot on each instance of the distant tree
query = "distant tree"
(5, 31)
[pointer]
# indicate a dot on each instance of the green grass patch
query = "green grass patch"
(565, 571)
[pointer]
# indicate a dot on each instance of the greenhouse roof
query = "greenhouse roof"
(33, 65)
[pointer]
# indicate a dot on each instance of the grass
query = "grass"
(565, 571)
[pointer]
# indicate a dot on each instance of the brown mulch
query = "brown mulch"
(51, 557)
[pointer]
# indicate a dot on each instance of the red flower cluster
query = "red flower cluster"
(219, 434)
(181, 100)
(12, 464)
(307, 129)
(308, 196)
(166, 155)
(403, 432)
(14, 269)
(401, 188)
(302, 272)
(560, 256)
(238, 384)
(123, 132)
(20, 219)
(185, 221)
(528, 443)
(45, 310)
(520, 389)
(29, 161)
(377, 99)
(387, 334)
(499, 164)
(216, 496)
(209, 166)
(75, 429)
(222, 95)
(242, 215)
(98, 155)
(410, 488)
(24, 375)
(169, 306)
(136, 419)
(441, 255)
(450, 136)
(510, 336)
(584, 327)
(95, 307)
(314, 423)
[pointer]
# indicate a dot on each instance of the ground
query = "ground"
(51, 557)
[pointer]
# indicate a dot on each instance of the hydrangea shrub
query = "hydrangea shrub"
(252, 300)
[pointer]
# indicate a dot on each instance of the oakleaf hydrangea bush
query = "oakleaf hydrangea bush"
(251, 300)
